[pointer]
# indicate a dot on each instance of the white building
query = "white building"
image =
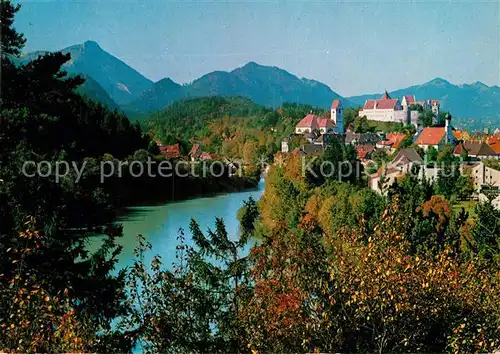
(323, 125)
(387, 109)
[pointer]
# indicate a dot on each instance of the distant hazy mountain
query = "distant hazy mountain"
(161, 94)
(476, 100)
(94, 91)
(121, 82)
(266, 85)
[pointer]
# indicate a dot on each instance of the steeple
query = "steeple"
(386, 96)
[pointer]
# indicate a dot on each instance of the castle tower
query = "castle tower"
(337, 116)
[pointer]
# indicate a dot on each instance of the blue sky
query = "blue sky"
(354, 47)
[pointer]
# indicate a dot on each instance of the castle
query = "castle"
(387, 109)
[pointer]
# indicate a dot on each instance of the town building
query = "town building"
(312, 123)
(368, 138)
(398, 167)
(436, 137)
(364, 152)
(170, 151)
(484, 176)
(388, 109)
(476, 150)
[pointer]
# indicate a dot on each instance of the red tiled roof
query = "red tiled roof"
(495, 146)
(494, 143)
(475, 148)
(435, 102)
(431, 136)
(387, 103)
(308, 121)
(325, 122)
(409, 99)
(384, 103)
(335, 104)
(369, 104)
(170, 151)
(363, 150)
(396, 138)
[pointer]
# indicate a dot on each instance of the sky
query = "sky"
(354, 47)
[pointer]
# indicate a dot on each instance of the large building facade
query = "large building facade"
(323, 125)
(388, 109)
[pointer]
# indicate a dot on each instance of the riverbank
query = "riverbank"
(160, 223)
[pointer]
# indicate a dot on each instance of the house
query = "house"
(396, 138)
(323, 125)
(484, 176)
(170, 151)
(398, 167)
(195, 152)
(312, 123)
(361, 138)
(406, 158)
(476, 150)
(364, 152)
(436, 137)
(384, 145)
(307, 125)
(383, 179)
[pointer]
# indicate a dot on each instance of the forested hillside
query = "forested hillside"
(232, 126)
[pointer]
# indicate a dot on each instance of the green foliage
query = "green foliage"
(12, 42)
(361, 125)
(416, 107)
(486, 230)
(426, 118)
(350, 115)
(194, 307)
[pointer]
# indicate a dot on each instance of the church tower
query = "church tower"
(337, 116)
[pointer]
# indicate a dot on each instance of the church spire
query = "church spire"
(386, 96)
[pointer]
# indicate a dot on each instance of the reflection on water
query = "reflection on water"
(160, 224)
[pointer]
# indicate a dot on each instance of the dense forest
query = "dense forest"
(338, 267)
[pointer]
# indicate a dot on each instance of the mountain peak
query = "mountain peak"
(251, 64)
(91, 44)
(480, 84)
(438, 82)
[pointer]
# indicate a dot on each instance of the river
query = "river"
(160, 224)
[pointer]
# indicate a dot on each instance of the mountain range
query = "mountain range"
(116, 84)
